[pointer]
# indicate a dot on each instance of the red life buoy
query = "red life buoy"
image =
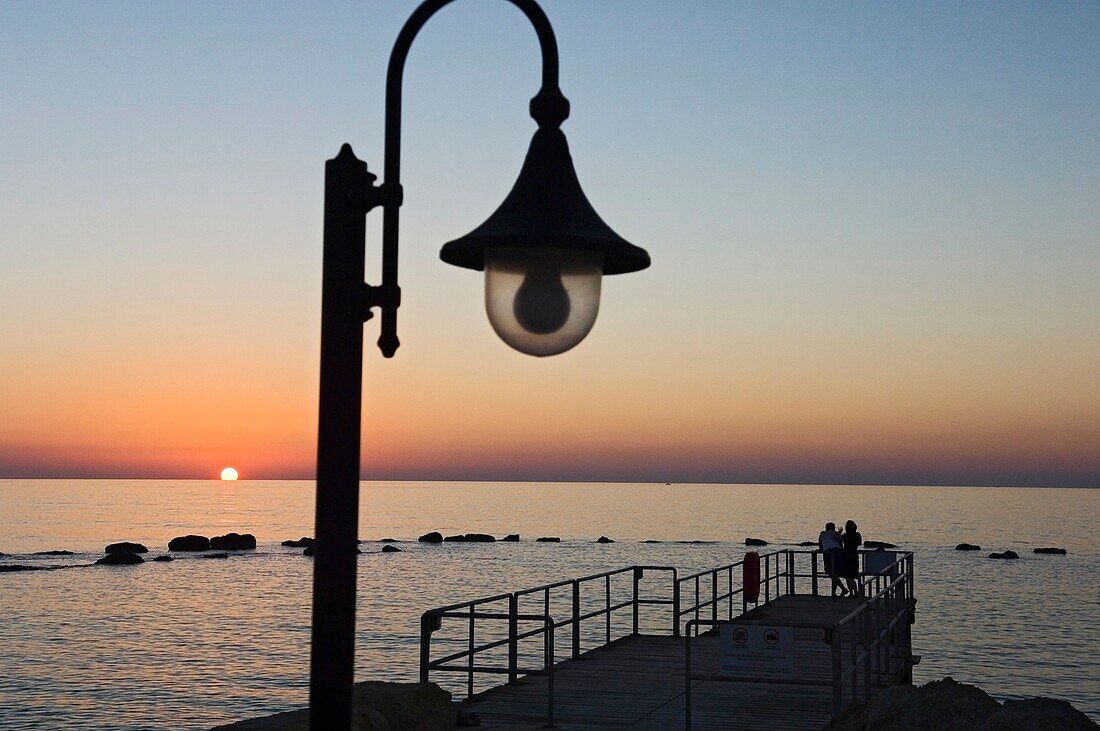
(751, 577)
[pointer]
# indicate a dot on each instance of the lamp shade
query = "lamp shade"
(543, 252)
(546, 208)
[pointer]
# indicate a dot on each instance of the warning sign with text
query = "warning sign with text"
(757, 651)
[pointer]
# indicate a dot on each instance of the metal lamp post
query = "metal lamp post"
(543, 250)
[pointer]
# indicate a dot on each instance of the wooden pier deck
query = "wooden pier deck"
(628, 648)
(637, 682)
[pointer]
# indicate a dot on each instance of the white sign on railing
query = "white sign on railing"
(756, 651)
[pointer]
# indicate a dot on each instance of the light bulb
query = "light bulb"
(542, 301)
(541, 305)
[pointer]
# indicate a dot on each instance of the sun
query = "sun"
(229, 474)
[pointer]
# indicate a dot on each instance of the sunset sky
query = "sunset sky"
(875, 234)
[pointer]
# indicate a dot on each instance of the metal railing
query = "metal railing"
(875, 637)
(877, 634)
(863, 643)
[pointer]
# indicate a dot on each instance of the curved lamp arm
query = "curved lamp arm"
(549, 108)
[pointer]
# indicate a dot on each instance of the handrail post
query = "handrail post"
(675, 606)
(687, 676)
(714, 595)
(607, 608)
(513, 639)
(813, 572)
(549, 644)
(470, 677)
(637, 577)
(576, 619)
(767, 579)
(790, 572)
(425, 646)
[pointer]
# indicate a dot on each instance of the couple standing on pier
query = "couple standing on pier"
(841, 553)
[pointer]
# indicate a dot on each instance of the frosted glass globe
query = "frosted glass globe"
(542, 301)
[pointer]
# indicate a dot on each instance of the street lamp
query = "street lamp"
(543, 252)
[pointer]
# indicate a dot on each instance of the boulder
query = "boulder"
(548, 539)
(234, 542)
(189, 543)
(126, 547)
(120, 559)
(378, 706)
(1005, 554)
(1052, 550)
(387, 540)
(19, 567)
(299, 543)
(412, 706)
(650, 540)
(433, 537)
(390, 549)
(604, 539)
(755, 542)
(941, 704)
(163, 558)
(511, 538)
(1037, 713)
(946, 704)
(967, 547)
(53, 553)
(470, 538)
(215, 555)
(878, 544)
(806, 544)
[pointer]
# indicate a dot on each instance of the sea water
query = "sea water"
(196, 642)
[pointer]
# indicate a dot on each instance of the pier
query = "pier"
(757, 647)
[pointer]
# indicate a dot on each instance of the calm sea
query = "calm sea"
(194, 643)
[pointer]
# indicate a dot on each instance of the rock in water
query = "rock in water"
(479, 538)
(941, 704)
(163, 558)
(511, 538)
(604, 539)
(120, 559)
(755, 542)
(1039, 713)
(548, 539)
(1005, 554)
(234, 542)
(387, 540)
(806, 544)
(20, 567)
(53, 553)
(967, 547)
(215, 555)
(420, 706)
(946, 704)
(433, 537)
(878, 544)
(1053, 551)
(390, 549)
(189, 543)
(126, 547)
(300, 543)
(378, 706)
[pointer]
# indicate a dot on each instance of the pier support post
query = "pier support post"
(513, 639)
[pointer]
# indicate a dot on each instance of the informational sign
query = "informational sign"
(757, 651)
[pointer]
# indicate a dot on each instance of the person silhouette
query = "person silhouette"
(828, 541)
(850, 542)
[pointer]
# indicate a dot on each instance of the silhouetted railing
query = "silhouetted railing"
(863, 643)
